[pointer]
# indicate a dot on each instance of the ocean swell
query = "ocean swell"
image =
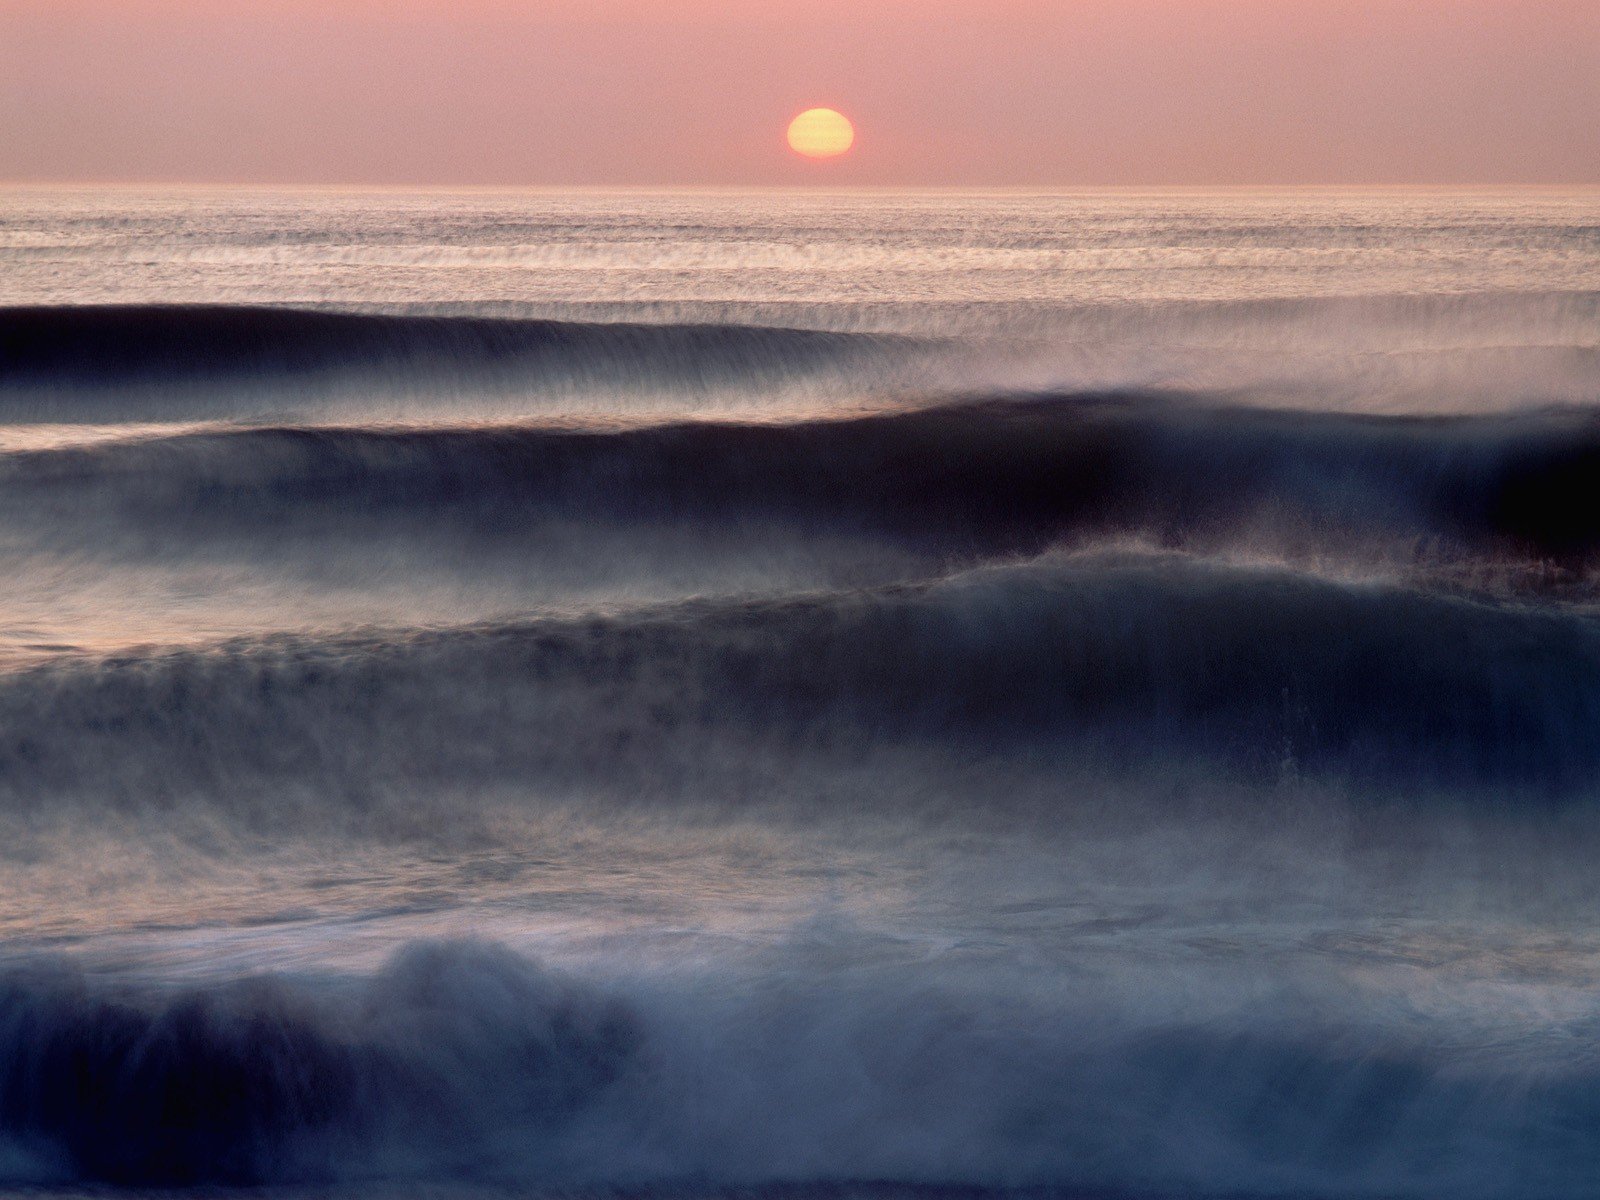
(999, 477)
(1135, 663)
(171, 362)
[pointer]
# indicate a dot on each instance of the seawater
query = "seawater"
(800, 694)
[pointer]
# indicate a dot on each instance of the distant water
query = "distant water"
(775, 695)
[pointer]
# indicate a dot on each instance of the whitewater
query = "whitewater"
(794, 695)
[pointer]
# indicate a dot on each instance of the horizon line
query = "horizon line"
(1063, 187)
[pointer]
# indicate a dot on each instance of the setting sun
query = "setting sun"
(821, 133)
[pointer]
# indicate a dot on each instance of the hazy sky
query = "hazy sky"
(959, 92)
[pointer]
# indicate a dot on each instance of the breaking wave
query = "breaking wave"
(1002, 476)
(1130, 663)
(463, 1062)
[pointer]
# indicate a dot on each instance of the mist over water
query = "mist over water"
(800, 695)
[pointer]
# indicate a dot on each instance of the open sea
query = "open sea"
(790, 696)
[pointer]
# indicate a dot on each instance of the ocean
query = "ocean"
(796, 695)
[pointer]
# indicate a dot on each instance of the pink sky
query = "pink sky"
(943, 92)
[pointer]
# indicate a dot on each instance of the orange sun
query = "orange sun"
(821, 133)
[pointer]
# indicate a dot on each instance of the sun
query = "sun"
(821, 133)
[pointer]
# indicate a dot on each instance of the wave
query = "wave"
(1154, 666)
(997, 477)
(168, 361)
(1412, 353)
(262, 1082)
(1431, 354)
(463, 1062)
